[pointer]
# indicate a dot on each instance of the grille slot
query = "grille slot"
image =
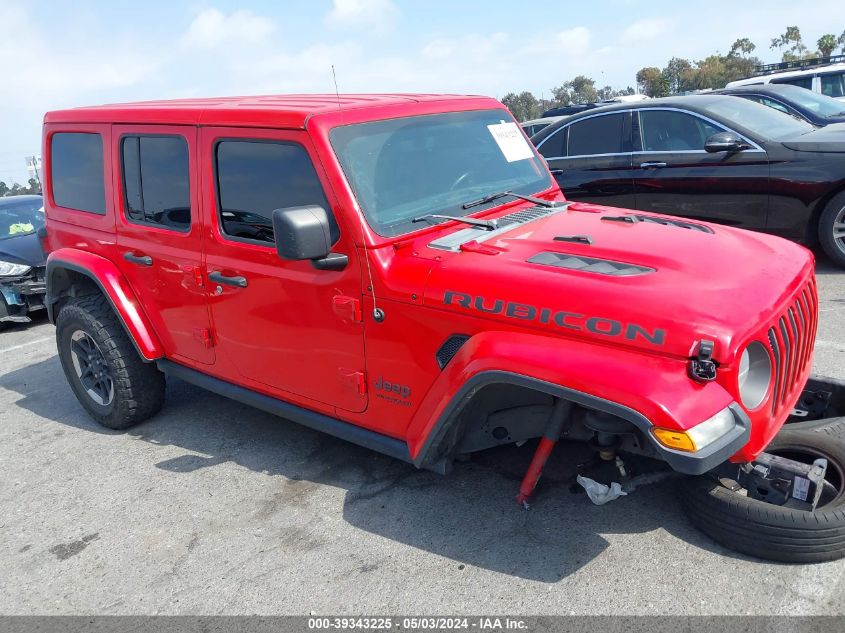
(791, 339)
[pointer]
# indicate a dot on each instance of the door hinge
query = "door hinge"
(347, 308)
(353, 379)
(203, 335)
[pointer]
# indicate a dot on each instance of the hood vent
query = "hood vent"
(590, 265)
(681, 224)
(453, 241)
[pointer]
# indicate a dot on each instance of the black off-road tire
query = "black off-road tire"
(834, 213)
(769, 531)
(138, 387)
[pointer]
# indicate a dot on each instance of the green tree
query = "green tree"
(791, 44)
(742, 46)
(523, 106)
(841, 41)
(4, 189)
(581, 89)
(611, 93)
(827, 43)
(676, 74)
(652, 82)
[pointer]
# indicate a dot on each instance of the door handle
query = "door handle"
(142, 260)
(220, 278)
(652, 165)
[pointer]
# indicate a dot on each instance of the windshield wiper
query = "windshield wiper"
(487, 225)
(495, 196)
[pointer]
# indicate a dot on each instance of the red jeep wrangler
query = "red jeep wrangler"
(403, 272)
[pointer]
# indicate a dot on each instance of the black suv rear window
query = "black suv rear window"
(76, 168)
(156, 184)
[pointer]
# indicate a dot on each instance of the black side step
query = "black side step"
(344, 430)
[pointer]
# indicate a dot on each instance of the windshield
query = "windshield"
(814, 102)
(405, 168)
(761, 120)
(20, 217)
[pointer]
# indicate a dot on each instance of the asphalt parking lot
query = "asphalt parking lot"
(215, 508)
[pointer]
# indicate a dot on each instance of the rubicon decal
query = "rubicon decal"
(561, 318)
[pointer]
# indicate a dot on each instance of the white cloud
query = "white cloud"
(212, 27)
(647, 29)
(362, 13)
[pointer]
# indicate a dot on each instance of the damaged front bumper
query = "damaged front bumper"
(20, 296)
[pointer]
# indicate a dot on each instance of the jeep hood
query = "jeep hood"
(826, 139)
(657, 287)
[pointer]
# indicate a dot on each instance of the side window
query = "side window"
(76, 168)
(802, 82)
(833, 84)
(256, 177)
(598, 135)
(777, 105)
(555, 145)
(766, 102)
(671, 131)
(156, 183)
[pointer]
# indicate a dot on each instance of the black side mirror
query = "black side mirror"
(305, 233)
(724, 142)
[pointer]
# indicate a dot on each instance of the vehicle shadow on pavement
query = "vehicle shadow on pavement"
(469, 516)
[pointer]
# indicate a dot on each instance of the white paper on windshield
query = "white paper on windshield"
(511, 141)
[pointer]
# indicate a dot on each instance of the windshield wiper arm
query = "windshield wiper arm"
(487, 225)
(495, 196)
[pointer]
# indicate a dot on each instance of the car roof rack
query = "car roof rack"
(797, 64)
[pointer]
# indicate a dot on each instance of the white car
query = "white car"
(827, 80)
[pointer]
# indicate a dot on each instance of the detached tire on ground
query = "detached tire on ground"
(835, 427)
(769, 531)
(106, 373)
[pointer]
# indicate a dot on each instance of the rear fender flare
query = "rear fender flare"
(114, 286)
(644, 389)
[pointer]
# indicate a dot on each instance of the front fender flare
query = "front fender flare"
(645, 389)
(113, 285)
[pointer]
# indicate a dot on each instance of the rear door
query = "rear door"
(159, 235)
(675, 176)
(591, 158)
(282, 324)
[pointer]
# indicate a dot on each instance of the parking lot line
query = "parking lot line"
(27, 344)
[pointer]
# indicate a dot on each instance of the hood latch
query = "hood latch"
(702, 368)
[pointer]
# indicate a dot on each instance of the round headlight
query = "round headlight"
(755, 375)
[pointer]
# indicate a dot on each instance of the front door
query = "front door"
(283, 324)
(675, 176)
(159, 234)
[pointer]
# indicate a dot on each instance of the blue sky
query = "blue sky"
(60, 54)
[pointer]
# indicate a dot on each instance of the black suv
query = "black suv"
(711, 157)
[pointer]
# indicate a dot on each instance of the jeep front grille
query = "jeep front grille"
(791, 339)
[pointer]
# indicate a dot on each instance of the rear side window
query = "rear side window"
(555, 145)
(76, 168)
(801, 82)
(833, 84)
(156, 183)
(255, 177)
(598, 135)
